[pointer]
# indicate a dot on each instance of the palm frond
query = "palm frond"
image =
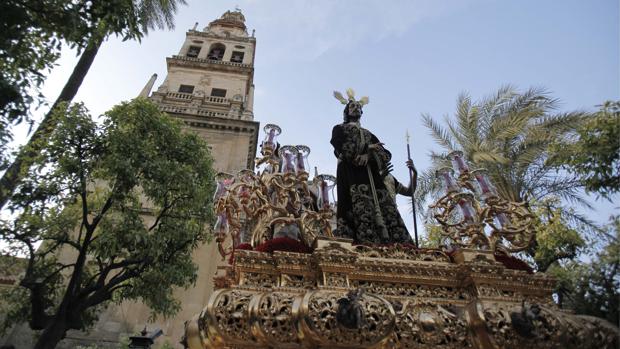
(438, 133)
(157, 14)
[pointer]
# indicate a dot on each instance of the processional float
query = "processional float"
(291, 283)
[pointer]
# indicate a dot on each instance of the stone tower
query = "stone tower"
(209, 86)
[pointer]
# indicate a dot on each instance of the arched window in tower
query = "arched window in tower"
(216, 52)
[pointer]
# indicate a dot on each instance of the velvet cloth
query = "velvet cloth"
(359, 216)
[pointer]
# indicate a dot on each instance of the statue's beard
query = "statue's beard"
(354, 118)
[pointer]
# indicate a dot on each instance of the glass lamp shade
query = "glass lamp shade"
(502, 220)
(223, 181)
(246, 179)
(272, 132)
(302, 158)
(484, 183)
(458, 162)
(221, 225)
(325, 184)
(446, 174)
(467, 209)
(288, 158)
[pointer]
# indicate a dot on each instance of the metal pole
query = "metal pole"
(415, 221)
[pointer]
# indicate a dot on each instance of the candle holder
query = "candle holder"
(486, 221)
(272, 131)
(223, 180)
(484, 186)
(302, 161)
(245, 180)
(458, 162)
(325, 184)
(288, 156)
(448, 182)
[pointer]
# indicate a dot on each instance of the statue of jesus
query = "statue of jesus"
(366, 211)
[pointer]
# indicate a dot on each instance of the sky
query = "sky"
(410, 57)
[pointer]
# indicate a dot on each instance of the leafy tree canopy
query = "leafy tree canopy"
(592, 287)
(595, 153)
(128, 198)
(31, 34)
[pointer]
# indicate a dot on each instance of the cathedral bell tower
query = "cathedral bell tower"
(210, 87)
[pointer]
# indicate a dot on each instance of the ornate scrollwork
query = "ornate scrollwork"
(275, 203)
(319, 309)
(428, 325)
(274, 320)
(401, 252)
(472, 215)
(515, 326)
(226, 316)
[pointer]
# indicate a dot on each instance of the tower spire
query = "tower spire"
(148, 87)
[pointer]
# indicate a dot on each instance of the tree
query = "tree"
(123, 202)
(558, 238)
(509, 134)
(593, 288)
(594, 154)
(130, 19)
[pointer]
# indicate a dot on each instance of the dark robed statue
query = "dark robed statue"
(367, 211)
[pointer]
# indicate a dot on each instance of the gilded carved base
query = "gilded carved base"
(411, 299)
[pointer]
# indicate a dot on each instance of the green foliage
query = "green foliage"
(124, 201)
(433, 237)
(556, 238)
(508, 133)
(593, 288)
(31, 35)
(595, 153)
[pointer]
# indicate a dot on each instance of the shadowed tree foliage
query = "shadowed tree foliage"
(593, 287)
(31, 45)
(123, 201)
(594, 151)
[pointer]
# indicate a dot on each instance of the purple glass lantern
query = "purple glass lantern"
(458, 162)
(220, 228)
(223, 180)
(325, 184)
(246, 178)
(445, 174)
(502, 220)
(302, 158)
(484, 183)
(269, 144)
(288, 158)
(467, 209)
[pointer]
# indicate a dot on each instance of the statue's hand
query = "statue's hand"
(361, 160)
(411, 166)
(375, 146)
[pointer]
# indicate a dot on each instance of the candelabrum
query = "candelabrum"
(278, 201)
(473, 215)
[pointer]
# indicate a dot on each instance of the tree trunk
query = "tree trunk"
(18, 169)
(51, 335)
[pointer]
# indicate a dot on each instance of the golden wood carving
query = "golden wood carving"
(406, 297)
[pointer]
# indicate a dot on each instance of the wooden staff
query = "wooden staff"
(413, 187)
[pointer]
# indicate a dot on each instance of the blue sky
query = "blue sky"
(409, 57)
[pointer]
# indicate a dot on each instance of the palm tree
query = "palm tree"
(148, 14)
(509, 134)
